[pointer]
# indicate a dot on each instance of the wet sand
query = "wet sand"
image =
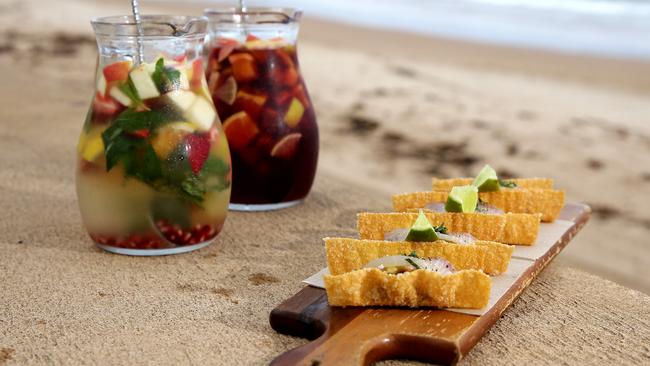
(396, 109)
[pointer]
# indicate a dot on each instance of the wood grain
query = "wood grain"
(361, 336)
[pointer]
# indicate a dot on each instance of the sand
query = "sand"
(394, 110)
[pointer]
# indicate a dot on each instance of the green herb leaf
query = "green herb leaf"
(507, 183)
(193, 188)
(166, 78)
(411, 262)
(442, 229)
(129, 89)
(413, 254)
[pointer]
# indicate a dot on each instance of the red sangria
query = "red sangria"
(153, 173)
(269, 121)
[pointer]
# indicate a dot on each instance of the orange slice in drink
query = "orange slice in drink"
(240, 130)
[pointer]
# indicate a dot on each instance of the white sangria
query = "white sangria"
(154, 169)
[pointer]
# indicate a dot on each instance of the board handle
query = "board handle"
(350, 336)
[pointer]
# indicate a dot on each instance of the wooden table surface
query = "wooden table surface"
(62, 301)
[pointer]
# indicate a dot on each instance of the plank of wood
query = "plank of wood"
(361, 336)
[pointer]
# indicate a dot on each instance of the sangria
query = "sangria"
(154, 169)
(255, 82)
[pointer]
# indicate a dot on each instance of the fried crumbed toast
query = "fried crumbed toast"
(519, 229)
(373, 287)
(448, 184)
(347, 254)
(547, 202)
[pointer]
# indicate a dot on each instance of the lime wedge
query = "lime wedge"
(422, 230)
(486, 180)
(462, 199)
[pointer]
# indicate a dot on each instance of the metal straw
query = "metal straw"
(138, 24)
(242, 6)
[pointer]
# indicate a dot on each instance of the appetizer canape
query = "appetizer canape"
(409, 281)
(461, 212)
(523, 195)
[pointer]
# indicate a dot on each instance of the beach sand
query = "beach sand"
(396, 109)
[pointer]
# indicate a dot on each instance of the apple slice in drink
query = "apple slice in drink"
(202, 113)
(143, 83)
(240, 130)
(119, 95)
(182, 99)
(294, 114)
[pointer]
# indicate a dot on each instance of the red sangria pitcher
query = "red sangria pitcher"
(153, 163)
(261, 98)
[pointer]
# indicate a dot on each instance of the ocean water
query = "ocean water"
(614, 28)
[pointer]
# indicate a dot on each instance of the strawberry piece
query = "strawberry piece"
(179, 58)
(198, 150)
(287, 147)
(243, 67)
(105, 105)
(117, 71)
(240, 130)
(197, 73)
(143, 133)
(251, 37)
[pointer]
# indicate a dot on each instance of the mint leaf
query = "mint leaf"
(166, 78)
(193, 188)
(129, 89)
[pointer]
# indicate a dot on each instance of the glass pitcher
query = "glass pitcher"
(153, 164)
(268, 118)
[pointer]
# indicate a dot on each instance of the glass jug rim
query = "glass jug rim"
(290, 15)
(178, 26)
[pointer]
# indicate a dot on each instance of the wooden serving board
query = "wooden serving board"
(361, 336)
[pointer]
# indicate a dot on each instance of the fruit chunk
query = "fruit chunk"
(265, 44)
(228, 91)
(243, 67)
(119, 95)
(422, 230)
(286, 148)
(143, 83)
(90, 145)
(462, 199)
(197, 73)
(251, 103)
(294, 114)
(199, 149)
(117, 71)
(169, 136)
(105, 105)
(202, 113)
(183, 81)
(486, 180)
(240, 130)
(226, 46)
(181, 98)
(101, 84)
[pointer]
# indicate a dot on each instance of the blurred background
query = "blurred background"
(413, 89)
